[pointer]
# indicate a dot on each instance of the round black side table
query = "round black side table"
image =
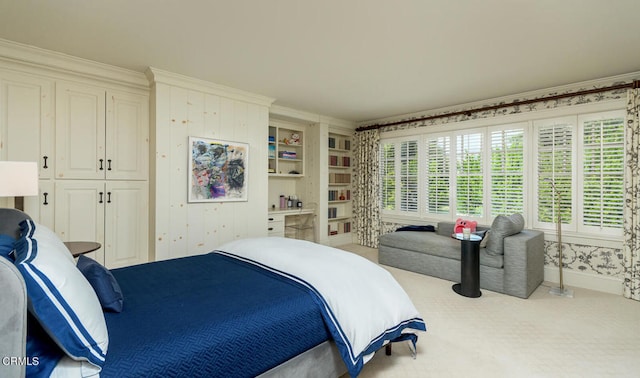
(469, 285)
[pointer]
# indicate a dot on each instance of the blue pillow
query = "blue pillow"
(6, 246)
(60, 297)
(103, 282)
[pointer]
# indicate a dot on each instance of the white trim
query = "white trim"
(26, 58)
(156, 75)
(601, 283)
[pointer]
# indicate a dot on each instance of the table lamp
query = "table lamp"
(18, 179)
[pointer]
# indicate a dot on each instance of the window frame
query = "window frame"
(527, 119)
(581, 119)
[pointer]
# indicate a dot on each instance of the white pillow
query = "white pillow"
(60, 297)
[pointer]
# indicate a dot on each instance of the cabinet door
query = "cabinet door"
(127, 136)
(40, 208)
(26, 116)
(80, 131)
(126, 223)
(79, 212)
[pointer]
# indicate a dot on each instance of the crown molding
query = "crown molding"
(295, 115)
(31, 58)
(156, 75)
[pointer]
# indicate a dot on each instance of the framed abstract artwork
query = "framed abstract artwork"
(218, 170)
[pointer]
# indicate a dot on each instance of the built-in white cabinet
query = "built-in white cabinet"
(100, 134)
(27, 119)
(101, 190)
(112, 213)
(91, 143)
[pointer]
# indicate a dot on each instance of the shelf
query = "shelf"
(285, 156)
(340, 177)
(285, 175)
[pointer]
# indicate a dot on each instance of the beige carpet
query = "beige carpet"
(591, 335)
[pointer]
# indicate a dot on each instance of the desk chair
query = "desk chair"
(305, 222)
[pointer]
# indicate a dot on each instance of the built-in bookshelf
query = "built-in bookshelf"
(286, 151)
(339, 207)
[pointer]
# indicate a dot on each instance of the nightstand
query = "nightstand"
(78, 248)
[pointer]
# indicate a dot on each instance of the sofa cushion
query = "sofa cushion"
(423, 242)
(435, 245)
(502, 227)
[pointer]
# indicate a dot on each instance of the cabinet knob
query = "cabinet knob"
(101, 161)
(108, 164)
(45, 162)
(270, 228)
(108, 197)
(45, 194)
(101, 194)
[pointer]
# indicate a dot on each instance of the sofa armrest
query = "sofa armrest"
(13, 319)
(523, 262)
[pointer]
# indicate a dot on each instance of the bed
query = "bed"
(266, 307)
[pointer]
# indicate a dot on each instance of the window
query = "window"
(602, 171)
(555, 170)
(437, 169)
(399, 176)
(409, 176)
(570, 167)
(507, 171)
(469, 175)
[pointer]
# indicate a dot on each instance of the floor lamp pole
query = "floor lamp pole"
(561, 291)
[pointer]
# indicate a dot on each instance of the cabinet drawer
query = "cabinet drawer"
(275, 227)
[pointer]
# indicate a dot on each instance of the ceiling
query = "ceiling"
(355, 60)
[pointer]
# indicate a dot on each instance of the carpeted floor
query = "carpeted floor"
(593, 334)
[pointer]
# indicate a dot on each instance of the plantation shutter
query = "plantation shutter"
(387, 176)
(555, 168)
(409, 176)
(437, 180)
(469, 176)
(507, 172)
(603, 173)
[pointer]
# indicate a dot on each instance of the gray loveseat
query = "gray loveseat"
(513, 265)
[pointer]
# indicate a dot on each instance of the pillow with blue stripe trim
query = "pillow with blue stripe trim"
(60, 297)
(6, 246)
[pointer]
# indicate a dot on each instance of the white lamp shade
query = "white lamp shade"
(18, 178)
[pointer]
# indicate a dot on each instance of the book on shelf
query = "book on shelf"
(338, 228)
(288, 155)
(339, 178)
(334, 195)
(337, 161)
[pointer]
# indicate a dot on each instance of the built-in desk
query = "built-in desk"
(279, 218)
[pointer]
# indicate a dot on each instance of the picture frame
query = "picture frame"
(217, 170)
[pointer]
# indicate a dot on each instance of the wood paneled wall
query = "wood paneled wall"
(185, 107)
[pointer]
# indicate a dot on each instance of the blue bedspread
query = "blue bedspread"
(208, 316)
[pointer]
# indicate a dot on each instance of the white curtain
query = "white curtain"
(367, 188)
(631, 246)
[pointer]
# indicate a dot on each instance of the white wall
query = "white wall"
(183, 107)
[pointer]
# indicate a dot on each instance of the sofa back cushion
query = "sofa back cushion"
(502, 227)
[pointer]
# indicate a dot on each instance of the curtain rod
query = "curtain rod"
(634, 84)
